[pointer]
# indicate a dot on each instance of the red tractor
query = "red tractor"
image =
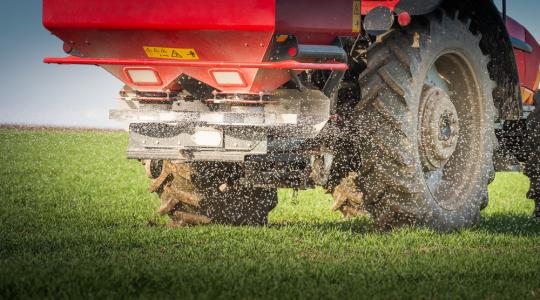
(404, 109)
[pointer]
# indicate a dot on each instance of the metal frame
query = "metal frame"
(287, 64)
(166, 133)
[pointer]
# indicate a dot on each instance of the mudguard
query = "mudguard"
(496, 42)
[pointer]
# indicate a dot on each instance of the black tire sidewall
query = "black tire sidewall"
(451, 36)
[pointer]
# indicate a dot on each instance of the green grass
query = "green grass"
(74, 217)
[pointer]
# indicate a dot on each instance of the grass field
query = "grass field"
(75, 215)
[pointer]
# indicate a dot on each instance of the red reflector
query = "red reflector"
(404, 19)
(292, 51)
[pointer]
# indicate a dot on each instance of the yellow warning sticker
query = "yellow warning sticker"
(171, 53)
(356, 16)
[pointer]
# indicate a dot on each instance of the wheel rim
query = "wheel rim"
(449, 134)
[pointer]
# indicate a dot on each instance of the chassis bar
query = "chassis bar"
(288, 64)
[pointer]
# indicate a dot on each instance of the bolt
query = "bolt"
(157, 142)
(144, 142)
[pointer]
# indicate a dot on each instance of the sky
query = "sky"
(40, 94)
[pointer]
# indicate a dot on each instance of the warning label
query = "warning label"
(170, 53)
(356, 16)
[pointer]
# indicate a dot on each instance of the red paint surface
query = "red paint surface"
(287, 64)
(528, 63)
(368, 5)
(223, 33)
(315, 22)
(237, 15)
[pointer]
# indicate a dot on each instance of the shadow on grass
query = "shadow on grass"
(361, 225)
(499, 223)
(511, 224)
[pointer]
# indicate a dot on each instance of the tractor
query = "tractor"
(401, 109)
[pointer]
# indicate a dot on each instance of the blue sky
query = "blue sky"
(35, 93)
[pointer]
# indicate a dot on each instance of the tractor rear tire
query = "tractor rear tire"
(532, 166)
(425, 126)
(209, 193)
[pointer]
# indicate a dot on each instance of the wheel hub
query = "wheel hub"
(440, 128)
